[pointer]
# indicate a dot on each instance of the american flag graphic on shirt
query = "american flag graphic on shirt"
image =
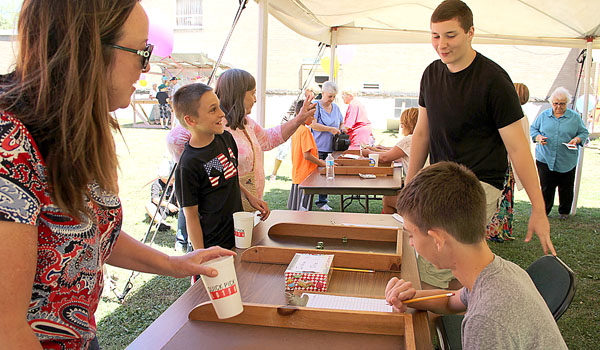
(223, 165)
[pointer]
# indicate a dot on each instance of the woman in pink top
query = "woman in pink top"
(236, 90)
(356, 120)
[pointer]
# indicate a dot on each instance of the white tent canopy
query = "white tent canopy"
(574, 24)
(514, 22)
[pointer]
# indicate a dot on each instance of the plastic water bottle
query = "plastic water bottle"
(329, 167)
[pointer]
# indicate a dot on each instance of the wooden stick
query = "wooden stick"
(347, 269)
(428, 298)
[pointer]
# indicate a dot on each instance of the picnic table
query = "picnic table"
(139, 112)
(353, 185)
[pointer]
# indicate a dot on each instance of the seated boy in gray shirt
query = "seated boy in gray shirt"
(444, 215)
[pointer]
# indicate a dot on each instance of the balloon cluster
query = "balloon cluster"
(344, 54)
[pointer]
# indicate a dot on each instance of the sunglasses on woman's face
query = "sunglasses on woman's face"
(145, 53)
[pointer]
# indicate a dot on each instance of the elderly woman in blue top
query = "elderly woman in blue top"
(328, 122)
(556, 162)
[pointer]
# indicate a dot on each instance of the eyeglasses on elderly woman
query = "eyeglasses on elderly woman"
(146, 53)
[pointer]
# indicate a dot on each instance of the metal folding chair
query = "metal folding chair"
(553, 279)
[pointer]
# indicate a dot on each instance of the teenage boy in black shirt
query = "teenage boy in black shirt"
(469, 113)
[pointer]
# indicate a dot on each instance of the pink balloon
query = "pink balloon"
(345, 53)
(161, 36)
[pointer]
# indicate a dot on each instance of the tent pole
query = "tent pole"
(261, 72)
(586, 97)
(596, 87)
(332, 76)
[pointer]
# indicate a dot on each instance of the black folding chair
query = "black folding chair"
(553, 279)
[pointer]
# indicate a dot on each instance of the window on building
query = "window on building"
(371, 86)
(321, 79)
(400, 104)
(189, 14)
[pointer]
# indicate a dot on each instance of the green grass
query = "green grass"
(576, 241)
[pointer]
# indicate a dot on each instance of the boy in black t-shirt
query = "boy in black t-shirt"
(206, 178)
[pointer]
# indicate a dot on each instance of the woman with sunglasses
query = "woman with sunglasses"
(60, 215)
(558, 132)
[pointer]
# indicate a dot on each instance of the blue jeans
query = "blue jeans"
(181, 235)
(322, 197)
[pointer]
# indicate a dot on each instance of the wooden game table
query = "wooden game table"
(263, 284)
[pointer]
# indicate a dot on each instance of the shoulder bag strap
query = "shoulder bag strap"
(318, 111)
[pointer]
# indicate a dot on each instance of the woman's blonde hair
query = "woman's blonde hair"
(59, 91)
(409, 118)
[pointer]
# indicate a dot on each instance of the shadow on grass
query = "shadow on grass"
(280, 178)
(140, 309)
(277, 199)
(163, 238)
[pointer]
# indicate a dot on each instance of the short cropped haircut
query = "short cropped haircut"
(409, 118)
(523, 93)
(186, 101)
(299, 105)
(448, 196)
(453, 9)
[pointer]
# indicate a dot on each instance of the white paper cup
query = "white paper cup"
(223, 290)
(243, 223)
(373, 159)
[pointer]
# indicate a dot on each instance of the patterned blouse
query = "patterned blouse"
(262, 140)
(68, 279)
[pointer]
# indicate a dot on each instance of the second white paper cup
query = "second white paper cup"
(223, 290)
(243, 223)
(373, 159)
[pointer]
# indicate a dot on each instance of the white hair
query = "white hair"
(351, 92)
(560, 93)
(330, 87)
